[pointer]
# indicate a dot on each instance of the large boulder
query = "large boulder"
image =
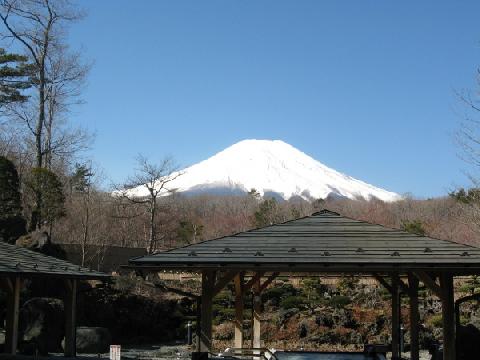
(42, 324)
(468, 342)
(40, 241)
(92, 340)
(33, 241)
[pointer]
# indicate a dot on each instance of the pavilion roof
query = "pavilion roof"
(18, 261)
(322, 242)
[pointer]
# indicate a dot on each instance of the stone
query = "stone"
(42, 324)
(92, 340)
(303, 330)
(33, 241)
(284, 315)
(325, 319)
(468, 342)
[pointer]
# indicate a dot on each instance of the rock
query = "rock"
(303, 330)
(42, 324)
(284, 315)
(33, 241)
(325, 319)
(40, 241)
(468, 342)
(92, 340)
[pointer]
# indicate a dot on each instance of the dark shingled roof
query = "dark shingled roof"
(18, 261)
(322, 242)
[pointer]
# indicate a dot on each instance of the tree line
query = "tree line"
(47, 185)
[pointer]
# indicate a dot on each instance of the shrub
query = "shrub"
(435, 320)
(278, 293)
(339, 301)
(224, 331)
(291, 302)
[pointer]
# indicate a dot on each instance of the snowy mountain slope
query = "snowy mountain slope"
(270, 167)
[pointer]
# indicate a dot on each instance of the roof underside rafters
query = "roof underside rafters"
(322, 242)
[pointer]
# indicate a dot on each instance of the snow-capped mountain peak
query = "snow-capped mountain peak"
(270, 167)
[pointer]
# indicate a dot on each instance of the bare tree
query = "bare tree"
(468, 134)
(149, 182)
(39, 26)
(467, 138)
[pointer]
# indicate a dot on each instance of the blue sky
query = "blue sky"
(366, 87)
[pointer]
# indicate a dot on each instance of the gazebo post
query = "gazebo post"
(239, 306)
(395, 318)
(13, 287)
(256, 329)
(208, 283)
(448, 316)
(414, 316)
(70, 305)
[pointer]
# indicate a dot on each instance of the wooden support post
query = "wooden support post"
(256, 311)
(208, 283)
(198, 314)
(70, 306)
(239, 306)
(13, 286)
(414, 317)
(448, 316)
(395, 318)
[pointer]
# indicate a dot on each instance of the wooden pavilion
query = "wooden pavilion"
(323, 243)
(18, 264)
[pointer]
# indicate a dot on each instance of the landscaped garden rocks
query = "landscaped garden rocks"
(42, 325)
(92, 340)
(131, 318)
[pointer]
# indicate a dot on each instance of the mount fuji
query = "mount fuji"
(273, 168)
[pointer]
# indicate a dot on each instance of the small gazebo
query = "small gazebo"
(323, 243)
(18, 264)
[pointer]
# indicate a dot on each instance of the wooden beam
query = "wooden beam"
(13, 309)
(256, 277)
(448, 316)
(414, 317)
(403, 286)
(239, 306)
(429, 282)
(383, 282)
(208, 283)
(268, 281)
(395, 318)
(256, 312)
(222, 282)
(70, 306)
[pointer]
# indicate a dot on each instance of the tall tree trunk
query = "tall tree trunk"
(85, 229)
(41, 118)
(152, 225)
(36, 220)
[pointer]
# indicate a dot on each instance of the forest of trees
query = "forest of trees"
(47, 184)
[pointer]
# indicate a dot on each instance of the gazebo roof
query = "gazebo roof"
(322, 242)
(18, 261)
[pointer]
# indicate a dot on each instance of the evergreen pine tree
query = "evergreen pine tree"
(14, 77)
(12, 223)
(45, 185)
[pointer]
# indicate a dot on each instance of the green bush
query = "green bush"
(278, 293)
(435, 321)
(339, 301)
(291, 302)
(222, 314)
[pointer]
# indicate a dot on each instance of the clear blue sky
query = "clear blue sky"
(366, 87)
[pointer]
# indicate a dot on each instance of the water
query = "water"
(292, 355)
